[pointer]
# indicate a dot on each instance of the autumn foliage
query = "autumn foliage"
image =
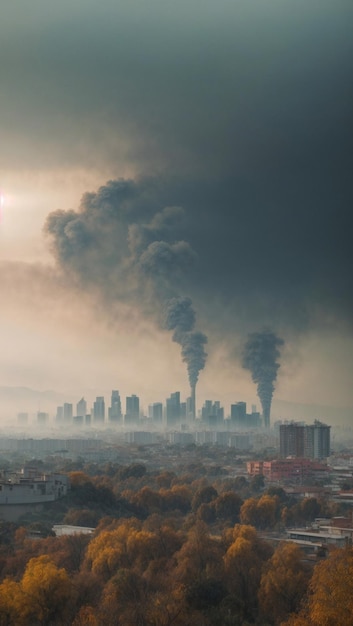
(171, 550)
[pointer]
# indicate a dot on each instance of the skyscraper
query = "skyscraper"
(212, 413)
(317, 440)
(67, 413)
(132, 409)
(114, 411)
(81, 408)
(301, 440)
(291, 439)
(173, 408)
(238, 414)
(155, 412)
(99, 410)
(59, 413)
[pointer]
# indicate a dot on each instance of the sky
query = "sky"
(157, 151)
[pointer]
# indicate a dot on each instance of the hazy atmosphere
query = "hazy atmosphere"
(175, 176)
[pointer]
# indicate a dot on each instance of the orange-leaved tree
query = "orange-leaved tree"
(283, 583)
(330, 602)
(44, 596)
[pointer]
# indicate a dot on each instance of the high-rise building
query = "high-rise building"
(291, 440)
(212, 413)
(308, 441)
(114, 411)
(67, 411)
(59, 413)
(42, 418)
(81, 408)
(190, 408)
(317, 440)
(173, 409)
(155, 412)
(238, 414)
(99, 410)
(132, 414)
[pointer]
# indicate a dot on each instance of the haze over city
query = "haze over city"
(155, 153)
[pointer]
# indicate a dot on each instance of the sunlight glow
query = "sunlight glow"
(2, 202)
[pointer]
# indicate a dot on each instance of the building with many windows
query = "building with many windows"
(307, 441)
(291, 439)
(114, 411)
(317, 440)
(132, 414)
(68, 411)
(173, 409)
(212, 414)
(99, 410)
(81, 408)
(294, 470)
(155, 412)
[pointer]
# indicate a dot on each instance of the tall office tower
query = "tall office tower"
(253, 420)
(212, 413)
(59, 413)
(81, 408)
(155, 412)
(193, 400)
(190, 408)
(238, 414)
(291, 439)
(42, 418)
(67, 411)
(99, 410)
(132, 414)
(114, 411)
(173, 409)
(317, 440)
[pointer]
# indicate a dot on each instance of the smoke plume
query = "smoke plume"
(118, 245)
(260, 355)
(180, 317)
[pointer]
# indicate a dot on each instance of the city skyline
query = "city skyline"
(157, 160)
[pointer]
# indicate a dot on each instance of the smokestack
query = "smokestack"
(193, 401)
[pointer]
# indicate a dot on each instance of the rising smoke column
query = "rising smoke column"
(119, 246)
(260, 355)
(180, 317)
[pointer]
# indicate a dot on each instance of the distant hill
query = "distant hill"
(16, 399)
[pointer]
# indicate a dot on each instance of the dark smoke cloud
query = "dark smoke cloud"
(108, 245)
(162, 258)
(180, 317)
(241, 114)
(260, 355)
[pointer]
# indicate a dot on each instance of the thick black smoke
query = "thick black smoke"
(116, 244)
(260, 355)
(180, 317)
